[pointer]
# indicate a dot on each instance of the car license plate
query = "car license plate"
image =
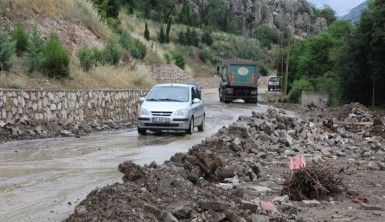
(160, 120)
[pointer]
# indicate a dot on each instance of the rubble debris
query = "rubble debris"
(238, 174)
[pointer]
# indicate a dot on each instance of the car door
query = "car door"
(198, 112)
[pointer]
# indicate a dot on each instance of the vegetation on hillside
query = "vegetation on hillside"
(346, 61)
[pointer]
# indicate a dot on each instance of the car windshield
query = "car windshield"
(169, 93)
(273, 79)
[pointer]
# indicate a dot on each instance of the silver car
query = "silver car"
(175, 107)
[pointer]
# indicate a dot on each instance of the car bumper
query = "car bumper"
(175, 124)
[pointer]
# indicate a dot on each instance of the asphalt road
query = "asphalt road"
(43, 180)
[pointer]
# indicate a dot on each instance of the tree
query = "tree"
(21, 38)
(329, 14)
(146, 32)
(207, 38)
(35, 54)
(162, 36)
(267, 35)
(7, 50)
(168, 29)
(56, 58)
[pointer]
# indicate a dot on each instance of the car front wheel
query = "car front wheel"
(201, 128)
(190, 130)
(141, 131)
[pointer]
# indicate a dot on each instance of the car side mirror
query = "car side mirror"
(196, 100)
(141, 99)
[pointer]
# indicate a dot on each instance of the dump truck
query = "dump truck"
(239, 80)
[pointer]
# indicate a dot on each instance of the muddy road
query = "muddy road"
(43, 180)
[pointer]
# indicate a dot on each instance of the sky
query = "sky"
(340, 6)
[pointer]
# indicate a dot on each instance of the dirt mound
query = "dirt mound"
(238, 175)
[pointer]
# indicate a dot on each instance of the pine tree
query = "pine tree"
(168, 29)
(146, 32)
(162, 35)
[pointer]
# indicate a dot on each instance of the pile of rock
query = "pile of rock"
(235, 175)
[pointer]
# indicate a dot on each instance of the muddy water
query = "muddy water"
(42, 180)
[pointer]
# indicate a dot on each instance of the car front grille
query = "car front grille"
(161, 124)
(161, 113)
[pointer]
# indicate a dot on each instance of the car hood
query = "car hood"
(164, 106)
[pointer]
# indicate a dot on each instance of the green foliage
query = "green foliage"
(112, 52)
(35, 52)
(7, 50)
(146, 32)
(87, 58)
(297, 88)
(136, 48)
(188, 37)
(56, 58)
(204, 55)
(267, 35)
(108, 8)
(168, 58)
(207, 38)
(162, 38)
(187, 15)
(179, 59)
(329, 14)
(168, 29)
(263, 69)
(20, 36)
(331, 84)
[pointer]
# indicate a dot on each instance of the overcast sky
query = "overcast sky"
(340, 6)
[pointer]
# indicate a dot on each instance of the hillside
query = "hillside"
(254, 30)
(354, 14)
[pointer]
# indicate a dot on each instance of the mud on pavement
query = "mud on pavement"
(241, 174)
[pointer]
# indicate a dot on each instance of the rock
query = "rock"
(226, 139)
(246, 205)
(261, 189)
(182, 210)
(373, 166)
(311, 203)
(24, 120)
(66, 133)
(131, 171)
(267, 206)
(281, 199)
(80, 210)
(168, 217)
(371, 207)
(2, 124)
(225, 172)
(214, 205)
(259, 218)
(151, 209)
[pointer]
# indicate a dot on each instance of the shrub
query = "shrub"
(21, 38)
(297, 88)
(7, 50)
(330, 83)
(137, 49)
(98, 55)
(168, 58)
(146, 32)
(87, 58)
(188, 37)
(205, 55)
(112, 53)
(207, 38)
(35, 52)
(180, 59)
(162, 38)
(263, 69)
(267, 35)
(56, 58)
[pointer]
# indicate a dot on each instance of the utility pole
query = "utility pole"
(287, 65)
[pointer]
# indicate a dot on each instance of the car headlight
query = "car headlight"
(181, 113)
(144, 112)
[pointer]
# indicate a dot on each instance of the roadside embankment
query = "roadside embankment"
(26, 114)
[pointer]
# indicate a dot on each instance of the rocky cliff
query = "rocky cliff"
(298, 16)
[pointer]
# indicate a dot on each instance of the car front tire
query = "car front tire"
(142, 131)
(190, 130)
(201, 128)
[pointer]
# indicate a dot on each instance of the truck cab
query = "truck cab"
(239, 80)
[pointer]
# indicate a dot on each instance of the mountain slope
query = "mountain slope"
(354, 14)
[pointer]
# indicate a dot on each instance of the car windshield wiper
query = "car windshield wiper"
(153, 100)
(169, 99)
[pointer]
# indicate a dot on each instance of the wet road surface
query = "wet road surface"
(43, 180)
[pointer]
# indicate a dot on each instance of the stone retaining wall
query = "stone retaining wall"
(66, 109)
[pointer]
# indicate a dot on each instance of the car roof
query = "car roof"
(173, 84)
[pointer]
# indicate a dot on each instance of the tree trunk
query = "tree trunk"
(287, 66)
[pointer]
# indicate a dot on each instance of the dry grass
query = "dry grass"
(74, 10)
